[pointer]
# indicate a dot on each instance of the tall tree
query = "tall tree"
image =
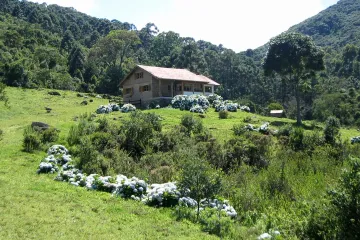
(115, 47)
(295, 58)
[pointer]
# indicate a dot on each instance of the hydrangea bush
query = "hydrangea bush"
(163, 195)
(212, 98)
(128, 108)
(160, 195)
(355, 140)
(221, 205)
(184, 102)
(105, 109)
(57, 156)
(197, 109)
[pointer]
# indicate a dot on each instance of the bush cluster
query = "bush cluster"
(35, 138)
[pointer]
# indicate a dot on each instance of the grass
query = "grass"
(36, 207)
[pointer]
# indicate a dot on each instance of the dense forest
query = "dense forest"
(48, 46)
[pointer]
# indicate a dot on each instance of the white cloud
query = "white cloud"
(85, 6)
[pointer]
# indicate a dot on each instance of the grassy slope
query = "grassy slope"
(32, 205)
(36, 207)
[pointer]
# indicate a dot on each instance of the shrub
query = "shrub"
(49, 135)
(84, 128)
(191, 124)
(345, 200)
(189, 102)
(3, 96)
(128, 108)
(1, 134)
(223, 114)
(202, 181)
(138, 132)
(332, 130)
(31, 141)
(214, 97)
(275, 106)
(239, 129)
(285, 130)
(216, 222)
(296, 138)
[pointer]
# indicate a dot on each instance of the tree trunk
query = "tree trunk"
(298, 114)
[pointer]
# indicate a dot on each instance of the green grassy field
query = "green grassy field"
(36, 207)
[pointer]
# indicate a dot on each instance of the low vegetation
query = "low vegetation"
(277, 180)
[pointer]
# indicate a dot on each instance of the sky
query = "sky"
(236, 24)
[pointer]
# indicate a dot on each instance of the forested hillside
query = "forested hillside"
(55, 47)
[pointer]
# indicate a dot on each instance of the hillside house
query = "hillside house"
(145, 84)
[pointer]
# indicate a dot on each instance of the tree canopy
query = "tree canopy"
(295, 58)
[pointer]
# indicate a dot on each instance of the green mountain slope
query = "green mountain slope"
(334, 27)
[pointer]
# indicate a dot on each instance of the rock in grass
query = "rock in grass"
(40, 126)
(84, 103)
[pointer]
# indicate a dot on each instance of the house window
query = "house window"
(169, 88)
(179, 88)
(187, 88)
(139, 75)
(197, 88)
(145, 88)
(127, 91)
(208, 89)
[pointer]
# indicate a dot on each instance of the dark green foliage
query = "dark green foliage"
(239, 129)
(345, 200)
(202, 181)
(276, 184)
(296, 138)
(275, 106)
(49, 135)
(332, 130)
(138, 132)
(295, 58)
(31, 141)
(223, 114)
(1, 134)
(191, 124)
(3, 96)
(84, 127)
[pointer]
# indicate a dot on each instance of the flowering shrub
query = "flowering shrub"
(214, 97)
(104, 109)
(264, 128)
(128, 108)
(197, 109)
(355, 140)
(188, 102)
(57, 156)
(57, 149)
(244, 108)
(220, 205)
(187, 202)
(163, 195)
(226, 105)
(130, 188)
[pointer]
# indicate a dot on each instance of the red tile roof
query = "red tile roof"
(209, 81)
(177, 74)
